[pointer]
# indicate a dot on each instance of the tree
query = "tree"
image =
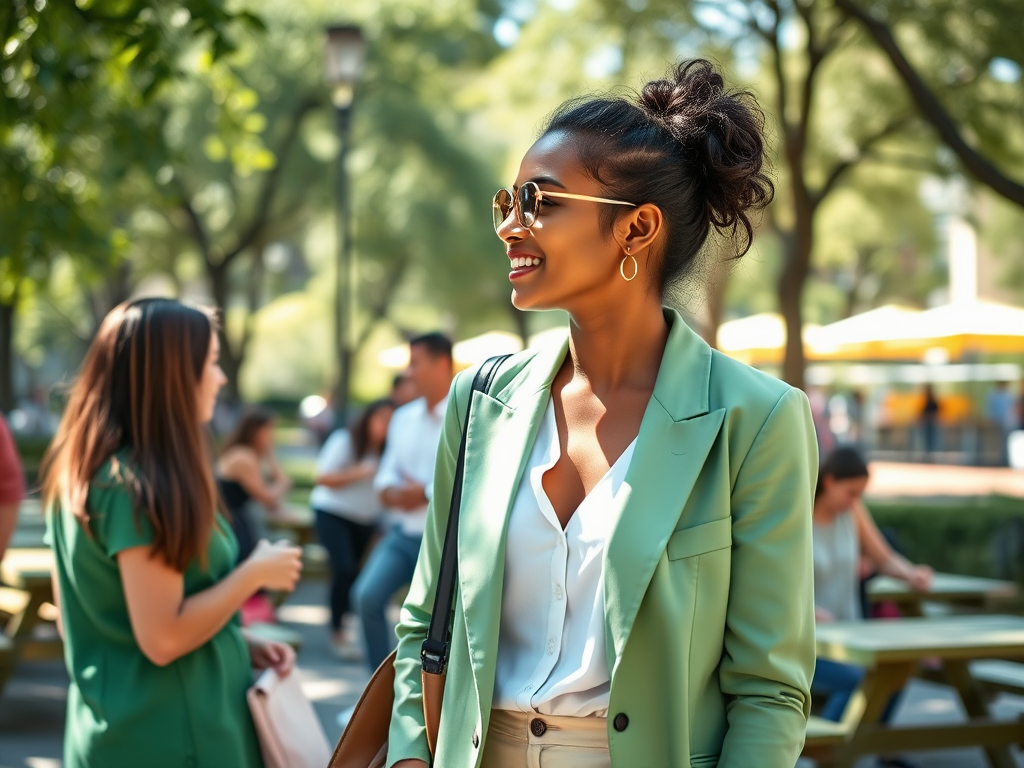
(246, 155)
(72, 74)
(807, 46)
(996, 24)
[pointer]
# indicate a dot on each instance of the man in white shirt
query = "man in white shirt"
(403, 484)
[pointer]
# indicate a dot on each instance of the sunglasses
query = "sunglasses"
(527, 200)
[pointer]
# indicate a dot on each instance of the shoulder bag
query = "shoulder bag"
(364, 744)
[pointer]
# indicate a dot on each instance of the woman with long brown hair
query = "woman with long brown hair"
(145, 573)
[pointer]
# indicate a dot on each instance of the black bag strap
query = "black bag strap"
(434, 653)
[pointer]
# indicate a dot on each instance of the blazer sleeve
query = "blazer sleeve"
(768, 660)
(407, 737)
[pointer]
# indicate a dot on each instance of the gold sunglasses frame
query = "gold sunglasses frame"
(541, 194)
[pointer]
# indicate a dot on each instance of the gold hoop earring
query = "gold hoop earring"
(622, 267)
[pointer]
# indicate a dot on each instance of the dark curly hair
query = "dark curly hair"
(685, 144)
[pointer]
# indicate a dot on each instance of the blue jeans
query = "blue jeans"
(837, 682)
(389, 567)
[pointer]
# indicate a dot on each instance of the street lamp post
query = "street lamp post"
(345, 53)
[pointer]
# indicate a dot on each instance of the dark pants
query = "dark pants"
(346, 543)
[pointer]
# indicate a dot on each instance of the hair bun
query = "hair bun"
(720, 133)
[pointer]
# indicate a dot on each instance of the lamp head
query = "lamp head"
(343, 66)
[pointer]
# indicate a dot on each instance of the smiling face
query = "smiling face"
(565, 258)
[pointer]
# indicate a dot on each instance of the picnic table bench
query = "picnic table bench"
(891, 650)
(28, 571)
(963, 591)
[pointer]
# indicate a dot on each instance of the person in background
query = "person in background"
(403, 389)
(146, 575)
(247, 470)
(1000, 409)
(857, 436)
(844, 533)
(818, 398)
(406, 471)
(12, 486)
(347, 509)
(1020, 408)
(930, 410)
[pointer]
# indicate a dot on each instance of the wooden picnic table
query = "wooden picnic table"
(29, 570)
(890, 650)
(966, 591)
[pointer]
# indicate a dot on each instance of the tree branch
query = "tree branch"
(932, 110)
(195, 222)
(780, 74)
(268, 188)
(841, 168)
(379, 308)
(72, 324)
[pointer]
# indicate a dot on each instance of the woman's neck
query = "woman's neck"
(620, 347)
(823, 513)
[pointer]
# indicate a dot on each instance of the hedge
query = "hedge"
(974, 536)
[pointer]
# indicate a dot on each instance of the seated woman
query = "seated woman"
(844, 533)
(248, 471)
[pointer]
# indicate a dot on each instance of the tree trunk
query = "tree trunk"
(797, 247)
(229, 361)
(115, 289)
(254, 299)
(7, 353)
(716, 282)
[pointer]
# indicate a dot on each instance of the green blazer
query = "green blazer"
(708, 583)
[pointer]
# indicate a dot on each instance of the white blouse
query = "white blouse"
(551, 646)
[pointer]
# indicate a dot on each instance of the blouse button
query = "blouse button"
(538, 727)
(551, 647)
(558, 591)
(621, 722)
(476, 740)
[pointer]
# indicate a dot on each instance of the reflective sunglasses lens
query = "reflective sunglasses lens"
(529, 204)
(501, 207)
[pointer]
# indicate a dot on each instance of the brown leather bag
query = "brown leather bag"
(364, 744)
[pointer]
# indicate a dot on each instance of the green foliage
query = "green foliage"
(73, 75)
(176, 144)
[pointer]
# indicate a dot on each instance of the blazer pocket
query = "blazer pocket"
(700, 539)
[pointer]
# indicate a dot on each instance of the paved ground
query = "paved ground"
(32, 704)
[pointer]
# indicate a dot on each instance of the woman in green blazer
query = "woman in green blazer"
(682, 634)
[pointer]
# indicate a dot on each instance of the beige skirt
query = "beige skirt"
(530, 740)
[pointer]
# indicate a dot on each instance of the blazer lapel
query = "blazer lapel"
(675, 438)
(502, 431)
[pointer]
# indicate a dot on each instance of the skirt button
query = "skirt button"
(538, 727)
(621, 722)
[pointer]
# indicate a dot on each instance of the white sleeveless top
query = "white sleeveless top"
(836, 557)
(552, 655)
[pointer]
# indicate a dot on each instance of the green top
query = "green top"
(123, 710)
